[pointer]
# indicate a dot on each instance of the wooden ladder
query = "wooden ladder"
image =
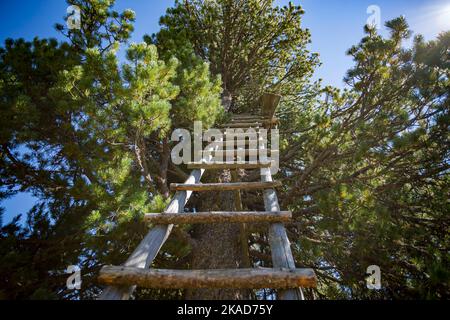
(122, 280)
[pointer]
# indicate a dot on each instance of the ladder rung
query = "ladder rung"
(234, 143)
(212, 165)
(218, 217)
(213, 278)
(238, 123)
(224, 186)
(266, 120)
(238, 142)
(244, 134)
(253, 152)
(248, 116)
(243, 125)
(247, 120)
(244, 150)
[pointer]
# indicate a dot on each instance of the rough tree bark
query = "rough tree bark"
(218, 246)
(163, 167)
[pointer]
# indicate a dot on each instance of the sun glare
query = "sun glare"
(443, 17)
(432, 19)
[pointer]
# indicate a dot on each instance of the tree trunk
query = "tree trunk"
(218, 246)
(164, 166)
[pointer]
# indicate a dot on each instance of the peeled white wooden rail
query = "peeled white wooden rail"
(145, 253)
(278, 240)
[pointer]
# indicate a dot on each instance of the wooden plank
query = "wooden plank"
(243, 125)
(214, 278)
(241, 142)
(249, 123)
(224, 186)
(145, 253)
(248, 120)
(238, 142)
(253, 152)
(223, 166)
(279, 243)
(269, 102)
(218, 217)
(243, 135)
(265, 120)
(241, 154)
(246, 115)
(243, 148)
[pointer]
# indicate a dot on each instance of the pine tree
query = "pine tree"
(90, 138)
(365, 169)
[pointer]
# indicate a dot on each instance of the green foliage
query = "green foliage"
(365, 169)
(253, 45)
(89, 137)
(102, 27)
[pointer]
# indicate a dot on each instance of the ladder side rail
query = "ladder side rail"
(145, 253)
(278, 240)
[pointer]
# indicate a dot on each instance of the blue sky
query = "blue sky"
(335, 26)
